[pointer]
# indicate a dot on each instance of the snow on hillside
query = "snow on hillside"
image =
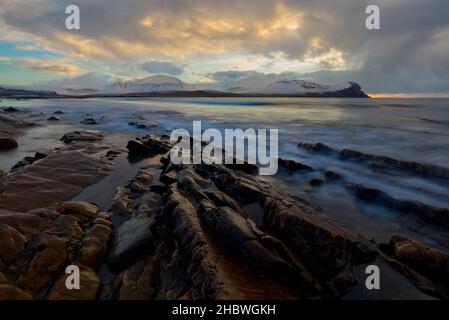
(159, 83)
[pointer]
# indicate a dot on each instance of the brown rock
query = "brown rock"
(84, 211)
(10, 292)
(25, 223)
(89, 286)
(94, 245)
(58, 177)
(44, 265)
(83, 135)
(138, 282)
(431, 262)
(12, 243)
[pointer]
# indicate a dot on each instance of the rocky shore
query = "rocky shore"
(188, 231)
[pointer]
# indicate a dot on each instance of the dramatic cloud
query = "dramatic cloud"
(161, 67)
(53, 66)
(408, 54)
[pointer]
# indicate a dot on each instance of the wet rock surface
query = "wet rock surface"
(190, 239)
(185, 231)
(37, 246)
(83, 135)
(43, 180)
(426, 266)
(428, 213)
(381, 162)
(10, 126)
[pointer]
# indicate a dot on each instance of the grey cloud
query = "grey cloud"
(161, 67)
(231, 75)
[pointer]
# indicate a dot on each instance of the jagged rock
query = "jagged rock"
(29, 160)
(89, 121)
(332, 176)
(324, 247)
(83, 135)
(427, 266)
(318, 147)
(49, 259)
(12, 243)
(11, 109)
(11, 292)
(37, 246)
(169, 177)
(133, 237)
(8, 143)
(148, 145)
(84, 211)
(316, 182)
(89, 287)
(95, 242)
(436, 215)
(199, 235)
(291, 165)
(137, 282)
(157, 188)
(25, 223)
(54, 118)
(137, 186)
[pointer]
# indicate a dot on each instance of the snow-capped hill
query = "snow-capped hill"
(303, 87)
(275, 85)
(159, 83)
(251, 84)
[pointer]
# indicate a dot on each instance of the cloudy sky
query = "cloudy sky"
(220, 41)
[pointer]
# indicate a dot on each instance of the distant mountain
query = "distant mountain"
(159, 83)
(266, 86)
(257, 85)
(90, 85)
(12, 92)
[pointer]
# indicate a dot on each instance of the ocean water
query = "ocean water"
(415, 129)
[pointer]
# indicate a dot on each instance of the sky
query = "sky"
(218, 42)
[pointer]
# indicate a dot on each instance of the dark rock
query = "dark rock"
(432, 214)
(140, 125)
(83, 135)
(427, 266)
(11, 292)
(158, 188)
(54, 118)
(137, 148)
(169, 177)
(11, 109)
(291, 165)
(133, 238)
(332, 176)
(317, 146)
(12, 243)
(316, 182)
(28, 161)
(89, 121)
(8, 143)
(382, 162)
